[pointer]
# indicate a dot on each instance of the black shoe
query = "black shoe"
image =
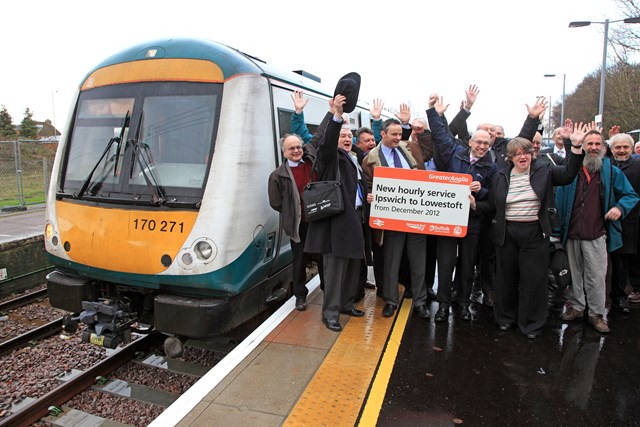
(442, 314)
(621, 305)
(388, 310)
(369, 284)
(487, 298)
(354, 312)
(422, 311)
(431, 295)
(301, 303)
(357, 297)
(532, 335)
(505, 327)
(408, 293)
(464, 313)
(332, 325)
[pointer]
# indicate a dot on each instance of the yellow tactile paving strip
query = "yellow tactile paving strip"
(335, 395)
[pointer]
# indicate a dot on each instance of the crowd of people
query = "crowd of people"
(537, 217)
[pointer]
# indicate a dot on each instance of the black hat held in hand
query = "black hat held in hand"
(349, 86)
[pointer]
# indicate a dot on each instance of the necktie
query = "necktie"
(396, 158)
(561, 153)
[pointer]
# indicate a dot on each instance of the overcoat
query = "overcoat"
(340, 235)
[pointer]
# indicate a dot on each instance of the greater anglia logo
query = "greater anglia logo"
(449, 178)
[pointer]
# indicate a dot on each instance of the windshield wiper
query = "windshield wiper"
(157, 194)
(118, 140)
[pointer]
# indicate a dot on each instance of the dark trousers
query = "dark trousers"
(619, 275)
(634, 271)
(342, 278)
(394, 244)
(378, 265)
(487, 259)
(430, 267)
(449, 250)
(521, 294)
(300, 260)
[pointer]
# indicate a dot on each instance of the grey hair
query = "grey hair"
(621, 137)
(287, 135)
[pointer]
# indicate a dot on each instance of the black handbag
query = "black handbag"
(559, 265)
(322, 199)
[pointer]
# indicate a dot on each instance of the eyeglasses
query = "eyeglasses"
(521, 154)
(296, 148)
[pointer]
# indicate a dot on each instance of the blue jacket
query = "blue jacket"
(456, 158)
(615, 191)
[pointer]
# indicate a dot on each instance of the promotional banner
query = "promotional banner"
(417, 201)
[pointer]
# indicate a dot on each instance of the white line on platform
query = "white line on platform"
(185, 403)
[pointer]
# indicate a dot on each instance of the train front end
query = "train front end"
(157, 211)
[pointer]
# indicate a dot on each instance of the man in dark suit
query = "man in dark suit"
(339, 238)
(393, 153)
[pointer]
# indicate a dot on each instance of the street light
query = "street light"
(576, 24)
(564, 80)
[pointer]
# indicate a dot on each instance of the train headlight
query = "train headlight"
(49, 234)
(48, 231)
(203, 251)
(187, 259)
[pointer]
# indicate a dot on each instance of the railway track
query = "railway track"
(36, 333)
(136, 378)
(41, 407)
(22, 300)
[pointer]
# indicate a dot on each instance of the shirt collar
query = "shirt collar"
(294, 164)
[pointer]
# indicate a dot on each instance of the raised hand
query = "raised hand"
(440, 107)
(567, 129)
(537, 108)
(376, 109)
(405, 114)
(338, 104)
(433, 98)
(592, 126)
(471, 94)
(614, 131)
(299, 102)
(579, 130)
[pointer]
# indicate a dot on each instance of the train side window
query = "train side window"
(285, 120)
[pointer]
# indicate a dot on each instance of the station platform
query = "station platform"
(408, 371)
(22, 225)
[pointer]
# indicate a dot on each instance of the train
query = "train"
(157, 212)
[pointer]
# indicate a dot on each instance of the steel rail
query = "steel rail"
(40, 332)
(58, 396)
(22, 300)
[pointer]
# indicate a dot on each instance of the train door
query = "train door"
(283, 109)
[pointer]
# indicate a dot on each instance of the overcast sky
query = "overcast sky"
(403, 50)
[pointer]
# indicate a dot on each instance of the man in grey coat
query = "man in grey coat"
(285, 186)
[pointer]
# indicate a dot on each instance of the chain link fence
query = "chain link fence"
(25, 171)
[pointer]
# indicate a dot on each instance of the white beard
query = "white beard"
(593, 163)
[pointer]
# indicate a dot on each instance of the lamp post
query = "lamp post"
(564, 80)
(606, 22)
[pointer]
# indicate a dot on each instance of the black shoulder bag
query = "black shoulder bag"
(322, 199)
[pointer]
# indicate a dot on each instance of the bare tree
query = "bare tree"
(622, 98)
(625, 39)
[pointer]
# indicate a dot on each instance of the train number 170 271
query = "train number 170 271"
(144, 224)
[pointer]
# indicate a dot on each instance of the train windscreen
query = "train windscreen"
(143, 143)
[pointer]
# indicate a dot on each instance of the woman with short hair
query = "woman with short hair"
(522, 202)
